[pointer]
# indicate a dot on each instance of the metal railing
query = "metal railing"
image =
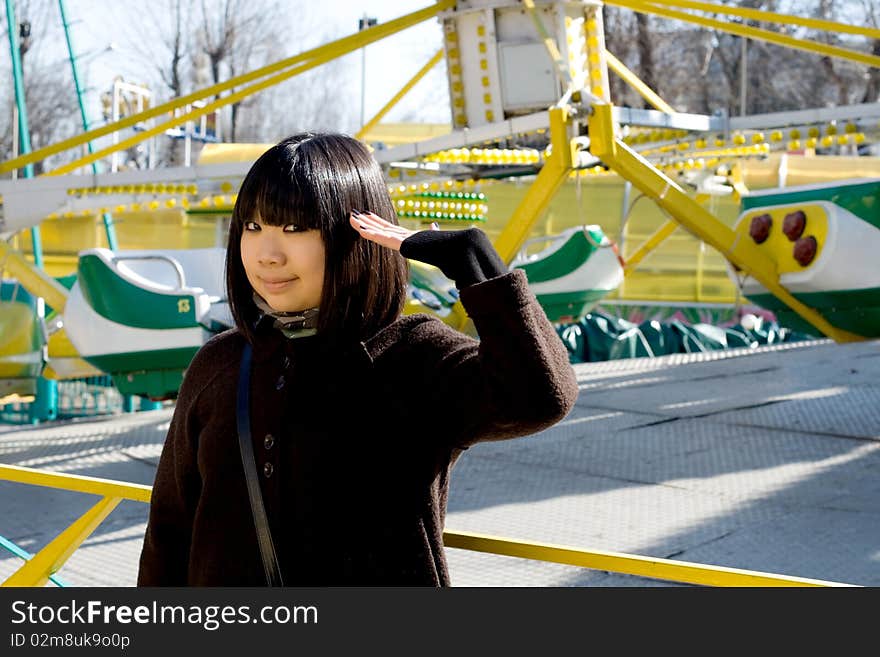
(41, 567)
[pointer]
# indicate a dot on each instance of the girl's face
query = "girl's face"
(284, 265)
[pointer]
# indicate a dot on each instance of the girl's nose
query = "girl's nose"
(270, 252)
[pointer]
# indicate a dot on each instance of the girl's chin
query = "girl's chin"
(280, 307)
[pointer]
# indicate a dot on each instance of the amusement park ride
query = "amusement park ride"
(529, 93)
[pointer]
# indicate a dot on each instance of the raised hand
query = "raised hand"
(376, 229)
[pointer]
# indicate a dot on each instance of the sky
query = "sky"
(390, 63)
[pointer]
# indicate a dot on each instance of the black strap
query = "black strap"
(261, 522)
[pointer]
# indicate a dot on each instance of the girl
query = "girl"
(357, 413)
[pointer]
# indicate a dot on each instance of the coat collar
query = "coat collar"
(270, 343)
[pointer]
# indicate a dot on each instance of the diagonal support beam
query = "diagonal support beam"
(47, 561)
(755, 33)
(369, 125)
(649, 245)
(636, 83)
(548, 181)
(763, 15)
(32, 278)
(554, 172)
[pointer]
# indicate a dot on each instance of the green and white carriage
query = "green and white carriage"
(825, 240)
(142, 315)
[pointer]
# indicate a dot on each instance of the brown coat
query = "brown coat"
(354, 448)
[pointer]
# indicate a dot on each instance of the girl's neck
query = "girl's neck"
(292, 324)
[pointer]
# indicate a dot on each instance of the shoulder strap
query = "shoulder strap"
(261, 522)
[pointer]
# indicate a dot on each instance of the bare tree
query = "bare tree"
(235, 35)
(163, 43)
(50, 96)
(310, 101)
(645, 43)
(619, 26)
(872, 83)
(826, 10)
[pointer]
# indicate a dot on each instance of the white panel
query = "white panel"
(515, 24)
(528, 78)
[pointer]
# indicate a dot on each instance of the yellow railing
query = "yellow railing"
(45, 563)
(627, 564)
(37, 570)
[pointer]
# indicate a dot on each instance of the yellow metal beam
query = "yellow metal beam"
(77, 483)
(695, 218)
(633, 81)
(339, 47)
(369, 125)
(649, 245)
(754, 33)
(37, 570)
(772, 17)
(656, 568)
(554, 172)
(34, 279)
(143, 135)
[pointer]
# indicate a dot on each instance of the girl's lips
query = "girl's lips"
(277, 286)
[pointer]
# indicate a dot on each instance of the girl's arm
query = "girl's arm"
(464, 256)
(516, 379)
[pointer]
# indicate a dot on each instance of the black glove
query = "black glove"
(465, 256)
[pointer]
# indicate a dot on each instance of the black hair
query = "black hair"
(314, 180)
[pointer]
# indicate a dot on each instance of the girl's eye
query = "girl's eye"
(251, 226)
(290, 228)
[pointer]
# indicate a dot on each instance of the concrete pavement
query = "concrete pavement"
(764, 459)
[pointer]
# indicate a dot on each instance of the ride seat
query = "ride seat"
(158, 289)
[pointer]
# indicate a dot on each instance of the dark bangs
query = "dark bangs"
(313, 181)
(277, 190)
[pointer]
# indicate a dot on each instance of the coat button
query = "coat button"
(267, 470)
(268, 441)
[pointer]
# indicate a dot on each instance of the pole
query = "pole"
(109, 229)
(743, 76)
(14, 137)
(45, 404)
(365, 22)
(24, 134)
(363, 83)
